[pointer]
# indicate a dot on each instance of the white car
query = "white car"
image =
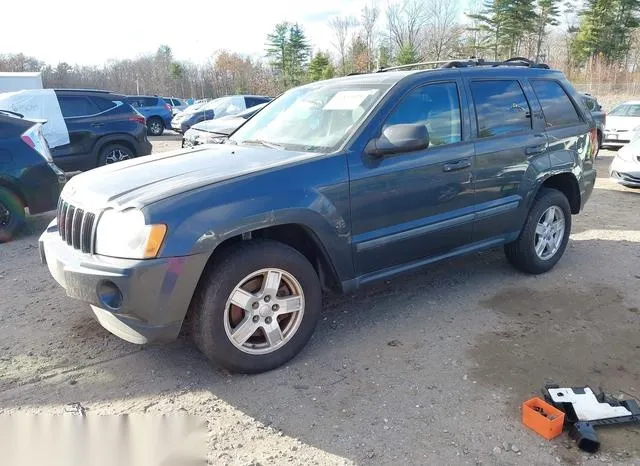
(623, 124)
(625, 168)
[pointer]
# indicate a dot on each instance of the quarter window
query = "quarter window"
(437, 107)
(557, 107)
(501, 108)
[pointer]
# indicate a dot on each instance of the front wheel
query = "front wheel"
(545, 234)
(256, 307)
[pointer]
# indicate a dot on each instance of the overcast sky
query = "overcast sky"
(89, 32)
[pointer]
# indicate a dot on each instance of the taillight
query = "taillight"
(33, 138)
(138, 118)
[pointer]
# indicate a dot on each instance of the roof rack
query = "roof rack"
(470, 62)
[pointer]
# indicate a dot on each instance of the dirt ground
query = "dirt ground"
(425, 369)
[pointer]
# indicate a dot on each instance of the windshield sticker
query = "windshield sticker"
(347, 100)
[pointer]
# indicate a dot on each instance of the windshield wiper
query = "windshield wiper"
(262, 142)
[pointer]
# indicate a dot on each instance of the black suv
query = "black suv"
(102, 127)
(28, 176)
(333, 185)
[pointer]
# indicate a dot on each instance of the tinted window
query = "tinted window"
(103, 104)
(253, 101)
(626, 110)
(75, 106)
(557, 107)
(501, 108)
(137, 102)
(437, 107)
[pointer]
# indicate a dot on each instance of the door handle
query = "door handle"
(531, 150)
(97, 125)
(457, 165)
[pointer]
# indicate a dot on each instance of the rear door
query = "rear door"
(83, 123)
(509, 138)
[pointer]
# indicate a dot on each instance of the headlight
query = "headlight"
(124, 234)
(211, 139)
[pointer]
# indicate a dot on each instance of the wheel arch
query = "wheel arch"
(124, 139)
(567, 184)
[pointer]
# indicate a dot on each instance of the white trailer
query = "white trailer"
(11, 82)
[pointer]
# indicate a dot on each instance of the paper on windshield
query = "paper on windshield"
(347, 100)
(39, 104)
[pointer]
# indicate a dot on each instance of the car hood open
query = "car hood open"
(144, 180)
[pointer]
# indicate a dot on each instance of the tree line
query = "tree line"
(593, 40)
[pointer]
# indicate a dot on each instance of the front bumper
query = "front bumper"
(155, 293)
(624, 172)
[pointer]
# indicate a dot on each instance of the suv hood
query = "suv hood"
(224, 125)
(142, 181)
(621, 123)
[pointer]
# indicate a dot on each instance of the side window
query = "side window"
(557, 107)
(437, 107)
(103, 104)
(501, 108)
(76, 106)
(134, 102)
(148, 101)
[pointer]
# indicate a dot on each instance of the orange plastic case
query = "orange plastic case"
(543, 418)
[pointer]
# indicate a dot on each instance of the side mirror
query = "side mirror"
(399, 138)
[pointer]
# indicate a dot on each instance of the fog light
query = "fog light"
(109, 295)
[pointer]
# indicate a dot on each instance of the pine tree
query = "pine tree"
(298, 53)
(318, 66)
(407, 55)
(547, 14)
(277, 49)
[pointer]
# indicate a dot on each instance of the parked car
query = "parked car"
(598, 114)
(85, 128)
(625, 168)
(623, 124)
(216, 131)
(216, 108)
(333, 185)
(156, 111)
(28, 176)
(177, 105)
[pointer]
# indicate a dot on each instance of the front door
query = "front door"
(409, 207)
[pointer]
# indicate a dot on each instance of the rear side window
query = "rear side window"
(76, 106)
(557, 107)
(501, 108)
(437, 107)
(590, 103)
(137, 102)
(103, 104)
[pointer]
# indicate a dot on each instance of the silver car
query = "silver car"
(625, 168)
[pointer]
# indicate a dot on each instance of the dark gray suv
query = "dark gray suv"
(332, 186)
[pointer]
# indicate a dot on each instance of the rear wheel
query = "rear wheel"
(155, 126)
(113, 153)
(12, 216)
(545, 234)
(256, 307)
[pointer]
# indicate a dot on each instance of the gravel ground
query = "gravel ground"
(425, 369)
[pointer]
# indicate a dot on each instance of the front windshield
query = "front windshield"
(194, 108)
(313, 118)
(628, 110)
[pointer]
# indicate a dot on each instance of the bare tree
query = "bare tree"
(444, 30)
(369, 18)
(342, 27)
(406, 22)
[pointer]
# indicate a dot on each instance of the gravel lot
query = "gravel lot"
(425, 369)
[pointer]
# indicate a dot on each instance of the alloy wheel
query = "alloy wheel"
(264, 311)
(549, 232)
(117, 155)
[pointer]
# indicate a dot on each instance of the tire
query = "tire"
(155, 126)
(12, 216)
(112, 153)
(215, 319)
(522, 252)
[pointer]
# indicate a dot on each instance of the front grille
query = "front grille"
(75, 226)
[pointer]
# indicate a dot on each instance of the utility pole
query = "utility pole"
(137, 86)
